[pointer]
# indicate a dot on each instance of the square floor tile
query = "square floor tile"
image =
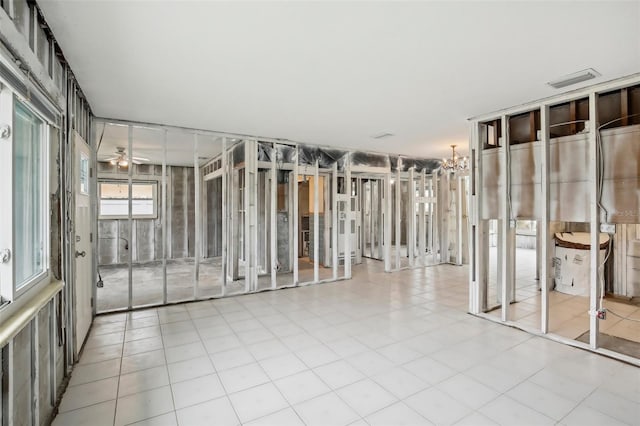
(243, 377)
(585, 416)
(88, 394)
(231, 359)
(217, 411)
(177, 339)
(185, 352)
(102, 353)
(541, 400)
(168, 419)
(142, 361)
(268, 349)
(141, 333)
(96, 341)
(346, 346)
(143, 380)
(620, 408)
(429, 370)
(101, 414)
(256, 402)
(370, 362)
(400, 382)
(504, 410)
(301, 387)
(286, 417)
(194, 391)
(142, 345)
(143, 405)
(282, 366)
(476, 419)
(325, 410)
(399, 353)
(438, 407)
(398, 414)
(467, 390)
(223, 343)
(338, 374)
(85, 373)
(317, 355)
(366, 397)
(189, 369)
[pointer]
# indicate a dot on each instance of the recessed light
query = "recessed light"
(382, 135)
(575, 78)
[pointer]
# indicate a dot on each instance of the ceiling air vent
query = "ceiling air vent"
(382, 135)
(575, 78)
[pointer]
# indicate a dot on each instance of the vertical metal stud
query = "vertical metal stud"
(130, 215)
(274, 218)
(223, 165)
(387, 243)
(334, 219)
(348, 231)
(398, 239)
(35, 372)
(422, 229)
(594, 209)
(164, 217)
(544, 236)
(294, 210)
(506, 225)
(198, 218)
(316, 225)
(411, 217)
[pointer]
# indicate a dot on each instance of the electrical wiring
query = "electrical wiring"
(600, 187)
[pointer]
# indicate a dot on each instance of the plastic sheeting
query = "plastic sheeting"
(327, 157)
(359, 158)
(238, 153)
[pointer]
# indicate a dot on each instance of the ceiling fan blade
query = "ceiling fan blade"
(135, 161)
(140, 158)
(109, 159)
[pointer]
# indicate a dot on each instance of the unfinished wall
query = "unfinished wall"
(146, 241)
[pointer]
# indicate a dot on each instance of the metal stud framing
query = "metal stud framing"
(594, 211)
(544, 237)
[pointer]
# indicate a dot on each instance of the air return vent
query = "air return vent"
(575, 78)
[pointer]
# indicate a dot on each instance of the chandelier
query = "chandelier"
(455, 163)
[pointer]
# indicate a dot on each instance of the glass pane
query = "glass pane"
(28, 206)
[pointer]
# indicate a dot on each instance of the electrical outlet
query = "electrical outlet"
(512, 223)
(602, 314)
(608, 228)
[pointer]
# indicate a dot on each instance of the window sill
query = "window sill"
(20, 319)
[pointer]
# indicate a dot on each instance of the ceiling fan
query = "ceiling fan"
(121, 158)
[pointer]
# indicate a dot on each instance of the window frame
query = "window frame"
(154, 186)
(9, 291)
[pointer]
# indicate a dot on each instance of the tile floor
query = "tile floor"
(568, 314)
(381, 349)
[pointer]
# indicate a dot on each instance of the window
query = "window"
(114, 200)
(84, 174)
(29, 196)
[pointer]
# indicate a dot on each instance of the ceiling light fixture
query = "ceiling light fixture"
(575, 78)
(455, 163)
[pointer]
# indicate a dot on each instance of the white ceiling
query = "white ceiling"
(336, 73)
